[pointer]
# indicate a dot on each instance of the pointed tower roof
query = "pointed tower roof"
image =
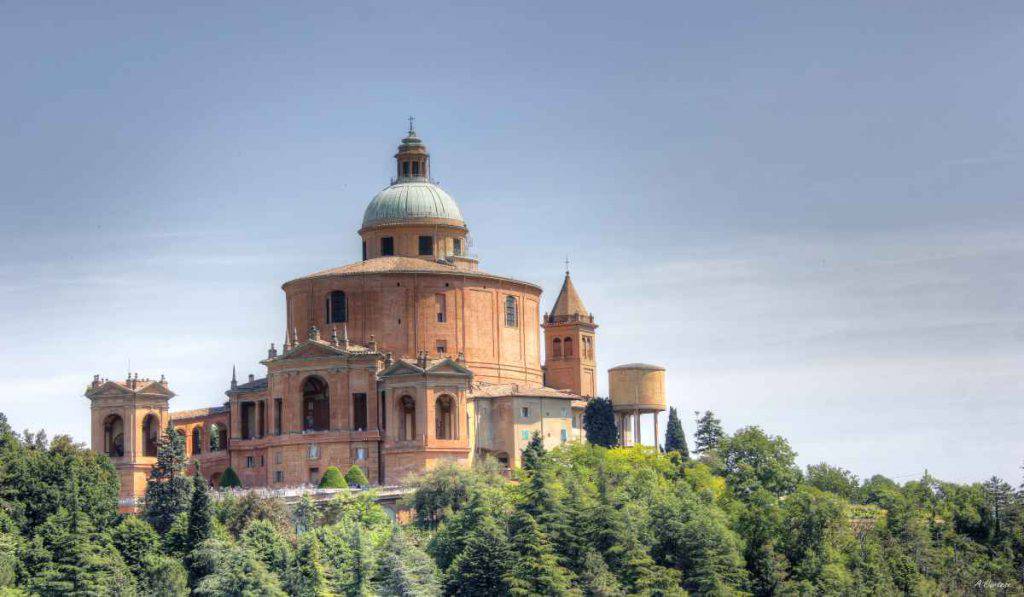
(569, 305)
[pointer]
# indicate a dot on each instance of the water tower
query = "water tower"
(636, 389)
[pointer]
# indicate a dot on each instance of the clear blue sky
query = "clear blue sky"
(810, 213)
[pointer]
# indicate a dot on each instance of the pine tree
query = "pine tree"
(263, 539)
(305, 576)
(536, 570)
(484, 564)
(675, 439)
(169, 490)
(533, 453)
(136, 541)
(404, 570)
(709, 432)
(599, 423)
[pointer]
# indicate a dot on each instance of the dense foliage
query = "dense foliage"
(599, 423)
(579, 520)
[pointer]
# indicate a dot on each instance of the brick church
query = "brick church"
(409, 357)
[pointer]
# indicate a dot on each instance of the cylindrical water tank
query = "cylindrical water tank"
(637, 386)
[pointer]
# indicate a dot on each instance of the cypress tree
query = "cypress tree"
(675, 439)
(199, 515)
(536, 570)
(709, 432)
(533, 453)
(599, 423)
(169, 490)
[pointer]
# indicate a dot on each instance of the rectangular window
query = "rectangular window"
(426, 245)
(278, 405)
(263, 461)
(441, 303)
(278, 457)
(565, 412)
(250, 461)
(575, 423)
(415, 168)
(359, 412)
(442, 347)
(387, 245)
(457, 246)
(314, 476)
(313, 452)
(525, 435)
(525, 411)
(361, 453)
(278, 476)
(565, 435)
(511, 311)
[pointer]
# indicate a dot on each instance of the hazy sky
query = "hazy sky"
(811, 214)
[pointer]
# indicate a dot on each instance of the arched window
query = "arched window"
(316, 405)
(337, 307)
(444, 417)
(113, 436)
(567, 347)
(197, 440)
(511, 311)
(214, 433)
(556, 348)
(150, 433)
(407, 429)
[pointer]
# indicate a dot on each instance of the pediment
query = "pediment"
(450, 367)
(401, 368)
(311, 349)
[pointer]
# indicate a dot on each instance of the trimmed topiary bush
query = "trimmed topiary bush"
(332, 479)
(356, 477)
(230, 478)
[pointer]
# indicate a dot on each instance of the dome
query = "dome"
(409, 202)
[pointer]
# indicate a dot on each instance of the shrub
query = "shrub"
(230, 478)
(332, 479)
(355, 477)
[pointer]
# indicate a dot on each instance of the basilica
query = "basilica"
(409, 357)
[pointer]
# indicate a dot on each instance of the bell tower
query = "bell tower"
(127, 420)
(569, 335)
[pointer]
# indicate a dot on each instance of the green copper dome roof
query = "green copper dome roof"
(411, 201)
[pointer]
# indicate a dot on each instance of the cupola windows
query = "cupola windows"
(387, 245)
(426, 245)
(511, 311)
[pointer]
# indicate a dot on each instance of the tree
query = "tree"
(483, 566)
(443, 491)
(233, 571)
(752, 459)
(169, 490)
(164, 577)
(332, 479)
(533, 453)
(305, 576)
(536, 570)
(404, 570)
(137, 542)
(263, 539)
(305, 515)
(230, 478)
(599, 423)
(355, 477)
(675, 439)
(199, 516)
(709, 432)
(834, 479)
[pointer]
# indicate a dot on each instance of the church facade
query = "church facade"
(407, 358)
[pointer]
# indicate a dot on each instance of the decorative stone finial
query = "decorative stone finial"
(344, 335)
(388, 359)
(334, 335)
(234, 378)
(272, 352)
(372, 344)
